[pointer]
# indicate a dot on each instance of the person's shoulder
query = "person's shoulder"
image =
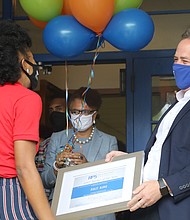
(101, 133)
(18, 92)
(32, 93)
(62, 133)
(25, 92)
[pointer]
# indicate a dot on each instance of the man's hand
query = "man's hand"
(147, 194)
(112, 154)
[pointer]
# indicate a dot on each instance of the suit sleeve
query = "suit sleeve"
(175, 159)
(47, 175)
(179, 184)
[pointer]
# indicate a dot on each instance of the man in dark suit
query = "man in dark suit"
(165, 191)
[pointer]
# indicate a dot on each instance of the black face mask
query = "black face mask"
(34, 76)
(58, 121)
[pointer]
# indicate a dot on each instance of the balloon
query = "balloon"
(39, 24)
(95, 43)
(125, 4)
(93, 14)
(65, 37)
(66, 8)
(43, 10)
(130, 30)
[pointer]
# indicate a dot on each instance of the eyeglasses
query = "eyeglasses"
(82, 112)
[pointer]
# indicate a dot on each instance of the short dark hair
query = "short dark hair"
(91, 97)
(60, 95)
(56, 95)
(13, 39)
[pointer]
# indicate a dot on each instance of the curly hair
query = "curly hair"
(13, 40)
(91, 97)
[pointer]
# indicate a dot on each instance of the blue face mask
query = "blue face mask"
(182, 75)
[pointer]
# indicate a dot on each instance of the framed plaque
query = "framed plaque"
(97, 188)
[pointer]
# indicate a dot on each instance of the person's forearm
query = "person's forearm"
(31, 183)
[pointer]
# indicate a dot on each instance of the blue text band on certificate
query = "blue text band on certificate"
(109, 184)
(101, 187)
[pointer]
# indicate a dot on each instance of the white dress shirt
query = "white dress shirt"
(151, 168)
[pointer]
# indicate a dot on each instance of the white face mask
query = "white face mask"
(81, 122)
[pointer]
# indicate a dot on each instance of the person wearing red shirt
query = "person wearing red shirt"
(21, 190)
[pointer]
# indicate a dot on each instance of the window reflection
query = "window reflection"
(163, 96)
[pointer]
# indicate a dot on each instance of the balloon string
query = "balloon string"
(91, 76)
(70, 141)
(66, 98)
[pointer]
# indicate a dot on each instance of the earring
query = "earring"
(94, 122)
(28, 70)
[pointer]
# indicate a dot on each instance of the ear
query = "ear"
(22, 79)
(25, 66)
(94, 116)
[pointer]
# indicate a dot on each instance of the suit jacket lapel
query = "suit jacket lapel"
(184, 110)
(151, 141)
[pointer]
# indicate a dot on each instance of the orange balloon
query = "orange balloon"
(66, 8)
(37, 23)
(93, 14)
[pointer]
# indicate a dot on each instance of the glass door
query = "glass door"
(153, 92)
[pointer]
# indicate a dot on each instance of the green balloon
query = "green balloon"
(125, 4)
(42, 10)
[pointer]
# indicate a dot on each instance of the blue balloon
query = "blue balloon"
(96, 43)
(130, 30)
(65, 37)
